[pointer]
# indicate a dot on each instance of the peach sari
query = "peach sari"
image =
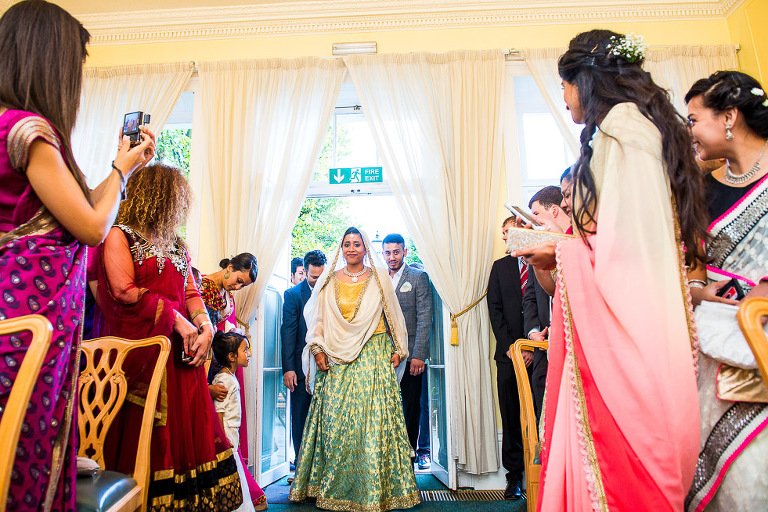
(621, 420)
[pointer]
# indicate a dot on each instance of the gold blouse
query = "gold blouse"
(349, 296)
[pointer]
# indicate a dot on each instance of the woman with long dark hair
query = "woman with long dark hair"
(621, 415)
(47, 217)
(728, 116)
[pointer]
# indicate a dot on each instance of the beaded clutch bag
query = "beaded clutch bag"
(519, 238)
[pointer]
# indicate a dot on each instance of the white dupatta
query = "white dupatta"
(342, 340)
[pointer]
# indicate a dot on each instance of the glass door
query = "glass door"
(443, 466)
(274, 437)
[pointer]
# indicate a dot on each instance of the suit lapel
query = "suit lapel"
(306, 291)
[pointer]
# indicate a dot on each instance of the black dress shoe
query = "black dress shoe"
(514, 490)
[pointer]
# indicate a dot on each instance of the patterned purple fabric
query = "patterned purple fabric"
(42, 274)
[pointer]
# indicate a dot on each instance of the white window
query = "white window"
(536, 152)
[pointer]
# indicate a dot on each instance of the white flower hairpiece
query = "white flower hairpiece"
(760, 93)
(630, 47)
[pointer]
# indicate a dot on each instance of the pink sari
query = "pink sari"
(42, 271)
(621, 421)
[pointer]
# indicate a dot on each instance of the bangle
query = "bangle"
(315, 349)
(197, 313)
(200, 327)
(122, 180)
(696, 283)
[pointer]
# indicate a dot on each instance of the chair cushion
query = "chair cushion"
(99, 492)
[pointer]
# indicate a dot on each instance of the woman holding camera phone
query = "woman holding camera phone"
(728, 118)
(48, 216)
(146, 288)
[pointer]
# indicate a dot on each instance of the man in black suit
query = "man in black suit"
(293, 333)
(505, 307)
(415, 297)
(546, 207)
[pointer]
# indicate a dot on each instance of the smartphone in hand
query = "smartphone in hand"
(732, 290)
(132, 123)
(519, 212)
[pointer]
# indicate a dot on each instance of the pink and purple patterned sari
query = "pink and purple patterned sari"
(42, 271)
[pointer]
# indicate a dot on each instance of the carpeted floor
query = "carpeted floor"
(277, 496)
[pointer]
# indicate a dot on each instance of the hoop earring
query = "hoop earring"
(728, 133)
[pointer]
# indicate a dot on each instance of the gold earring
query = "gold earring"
(226, 275)
(728, 132)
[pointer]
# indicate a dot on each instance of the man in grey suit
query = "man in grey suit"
(415, 296)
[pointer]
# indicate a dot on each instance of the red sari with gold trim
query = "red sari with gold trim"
(141, 289)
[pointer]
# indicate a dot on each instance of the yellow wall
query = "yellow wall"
(747, 26)
(656, 33)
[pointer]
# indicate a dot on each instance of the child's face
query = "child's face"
(243, 354)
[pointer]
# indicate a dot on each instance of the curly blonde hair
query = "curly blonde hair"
(156, 204)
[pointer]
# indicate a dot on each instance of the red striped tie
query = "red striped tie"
(523, 275)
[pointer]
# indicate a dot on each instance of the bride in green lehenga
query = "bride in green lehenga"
(355, 453)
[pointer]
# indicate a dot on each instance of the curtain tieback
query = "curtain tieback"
(454, 325)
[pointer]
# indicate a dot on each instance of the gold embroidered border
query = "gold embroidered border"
(62, 440)
(685, 291)
(23, 134)
(596, 486)
(138, 397)
(41, 223)
(212, 498)
(396, 502)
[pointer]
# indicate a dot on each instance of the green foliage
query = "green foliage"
(320, 225)
(331, 152)
(413, 252)
(174, 146)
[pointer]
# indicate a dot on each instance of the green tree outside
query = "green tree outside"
(174, 147)
(320, 225)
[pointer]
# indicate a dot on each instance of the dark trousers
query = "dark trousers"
(410, 389)
(424, 430)
(512, 437)
(299, 409)
(539, 380)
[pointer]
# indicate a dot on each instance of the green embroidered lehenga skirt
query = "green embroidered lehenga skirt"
(355, 453)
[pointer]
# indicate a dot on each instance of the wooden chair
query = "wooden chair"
(528, 423)
(750, 315)
(102, 391)
(16, 406)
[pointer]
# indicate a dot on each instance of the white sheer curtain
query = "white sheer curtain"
(261, 127)
(108, 94)
(675, 68)
(436, 120)
(542, 63)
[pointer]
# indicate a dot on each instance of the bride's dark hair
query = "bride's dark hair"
(604, 80)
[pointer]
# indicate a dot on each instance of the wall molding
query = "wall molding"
(334, 16)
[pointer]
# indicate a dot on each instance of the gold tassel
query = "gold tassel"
(455, 326)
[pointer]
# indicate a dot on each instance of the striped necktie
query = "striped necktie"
(523, 275)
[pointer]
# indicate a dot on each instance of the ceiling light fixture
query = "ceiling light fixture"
(353, 48)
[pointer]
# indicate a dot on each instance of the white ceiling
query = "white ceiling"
(144, 21)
